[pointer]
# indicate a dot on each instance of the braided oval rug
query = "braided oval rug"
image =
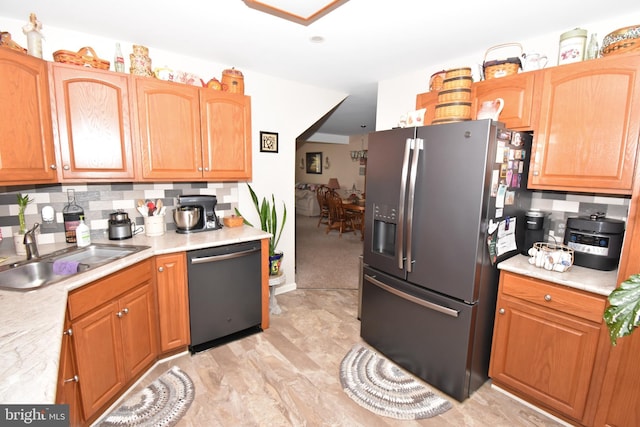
(162, 403)
(377, 384)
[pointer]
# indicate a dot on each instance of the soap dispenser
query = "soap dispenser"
(83, 234)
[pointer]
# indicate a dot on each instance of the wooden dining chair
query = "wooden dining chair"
(339, 218)
(321, 195)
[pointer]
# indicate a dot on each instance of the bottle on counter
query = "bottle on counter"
(71, 215)
(118, 60)
(83, 234)
(593, 50)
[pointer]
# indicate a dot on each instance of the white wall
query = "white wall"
(341, 166)
(397, 95)
(277, 105)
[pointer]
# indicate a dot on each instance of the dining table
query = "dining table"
(358, 209)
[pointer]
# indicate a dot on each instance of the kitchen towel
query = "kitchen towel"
(63, 267)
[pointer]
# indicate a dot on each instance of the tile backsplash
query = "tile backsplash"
(99, 200)
(561, 206)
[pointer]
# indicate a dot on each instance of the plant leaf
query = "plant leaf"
(622, 316)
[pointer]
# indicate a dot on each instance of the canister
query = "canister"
(233, 81)
(572, 46)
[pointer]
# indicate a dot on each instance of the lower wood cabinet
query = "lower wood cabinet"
(114, 334)
(173, 301)
(68, 390)
(545, 344)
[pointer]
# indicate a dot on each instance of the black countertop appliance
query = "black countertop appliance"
(596, 241)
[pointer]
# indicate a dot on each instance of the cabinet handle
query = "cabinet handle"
(125, 310)
(206, 169)
(119, 314)
(73, 379)
(66, 167)
(53, 167)
(160, 269)
(199, 169)
(501, 311)
(536, 173)
(547, 297)
(122, 312)
(68, 332)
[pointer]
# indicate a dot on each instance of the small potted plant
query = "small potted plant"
(269, 222)
(623, 314)
(23, 201)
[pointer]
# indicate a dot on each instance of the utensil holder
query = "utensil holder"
(154, 225)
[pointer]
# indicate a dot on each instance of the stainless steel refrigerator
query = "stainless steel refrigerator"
(444, 204)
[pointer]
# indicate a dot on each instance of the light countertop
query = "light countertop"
(31, 322)
(586, 279)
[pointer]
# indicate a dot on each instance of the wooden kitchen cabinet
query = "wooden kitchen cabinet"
(545, 343)
(226, 135)
(427, 100)
(92, 123)
(619, 400)
(114, 327)
(26, 151)
(173, 301)
(68, 390)
(191, 133)
(589, 120)
(516, 91)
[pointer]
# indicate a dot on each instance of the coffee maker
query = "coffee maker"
(535, 229)
(206, 204)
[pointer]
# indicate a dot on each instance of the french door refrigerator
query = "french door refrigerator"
(444, 204)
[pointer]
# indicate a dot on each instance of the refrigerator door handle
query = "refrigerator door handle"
(403, 194)
(417, 146)
(426, 304)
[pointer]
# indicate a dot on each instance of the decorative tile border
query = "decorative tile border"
(99, 200)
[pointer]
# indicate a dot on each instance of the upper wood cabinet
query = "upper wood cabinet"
(190, 133)
(93, 113)
(168, 121)
(427, 100)
(589, 121)
(516, 91)
(26, 149)
(226, 135)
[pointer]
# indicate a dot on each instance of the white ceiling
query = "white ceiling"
(365, 41)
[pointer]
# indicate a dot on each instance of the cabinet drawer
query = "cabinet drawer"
(93, 295)
(557, 297)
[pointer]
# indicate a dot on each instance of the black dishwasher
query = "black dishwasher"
(225, 293)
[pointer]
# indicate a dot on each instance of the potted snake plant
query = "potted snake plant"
(268, 215)
(18, 239)
(623, 314)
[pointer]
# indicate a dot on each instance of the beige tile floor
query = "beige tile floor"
(288, 375)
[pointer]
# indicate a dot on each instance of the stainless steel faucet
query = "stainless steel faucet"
(30, 243)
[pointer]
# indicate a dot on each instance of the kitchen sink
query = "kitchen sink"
(31, 274)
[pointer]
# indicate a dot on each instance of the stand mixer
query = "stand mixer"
(207, 218)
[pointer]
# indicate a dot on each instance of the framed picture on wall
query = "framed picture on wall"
(268, 142)
(314, 163)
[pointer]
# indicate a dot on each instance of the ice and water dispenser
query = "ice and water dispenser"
(384, 230)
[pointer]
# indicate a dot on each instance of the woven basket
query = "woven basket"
(453, 110)
(448, 120)
(436, 81)
(457, 72)
(623, 40)
(85, 57)
(457, 82)
(501, 68)
(460, 94)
